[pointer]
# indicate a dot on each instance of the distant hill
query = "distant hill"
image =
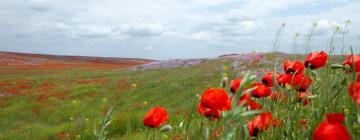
(25, 59)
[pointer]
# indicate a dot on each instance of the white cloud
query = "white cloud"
(200, 36)
(149, 48)
(42, 5)
(137, 29)
(95, 31)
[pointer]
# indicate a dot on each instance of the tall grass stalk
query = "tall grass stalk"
(277, 39)
(309, 37)
(345, 30)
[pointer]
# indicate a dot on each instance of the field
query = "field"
(69, 100)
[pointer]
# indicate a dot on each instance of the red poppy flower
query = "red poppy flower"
(354, 91)
(354, 88)
(208, 112)
(254, 105)
(303, 97)
(261, 123)
(234, 85)
(349, 61)
(358, 78)
(156, 117)
(268, 79)
(356, 99)
(244, 99)
(284, 79)
(316, 60)
(260, 90)
(228, 105)
(331, 129)
(214, 98)
(335, 118)
(293, 67)
(301, 82)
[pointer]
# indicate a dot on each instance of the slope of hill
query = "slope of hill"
(57, 61)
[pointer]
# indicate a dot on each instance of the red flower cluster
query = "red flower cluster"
(299, 82)
(261, 123)
(349, 61)
(212, 102)
(156, 117)
(332, 128)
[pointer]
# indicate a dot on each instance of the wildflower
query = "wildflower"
(332, 129)
(349, 62)
(346, 110)
(224, 81)
(355, 126)
(287, 86)
(145, 103)
(156, 117)
(303, 97)
(104, 99)
(214, 98)
(74, 101)
(133, 85)
(261, 123)
(316, 60)
(268, 79)
(293, 67)
(260, 90)
(234, 85)
(225, 67)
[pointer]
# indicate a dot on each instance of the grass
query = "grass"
(65, 109)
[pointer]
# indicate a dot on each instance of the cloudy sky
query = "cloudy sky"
(163, 29)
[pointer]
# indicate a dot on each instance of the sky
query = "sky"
(169, 29)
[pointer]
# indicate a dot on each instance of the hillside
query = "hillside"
(58, 61)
